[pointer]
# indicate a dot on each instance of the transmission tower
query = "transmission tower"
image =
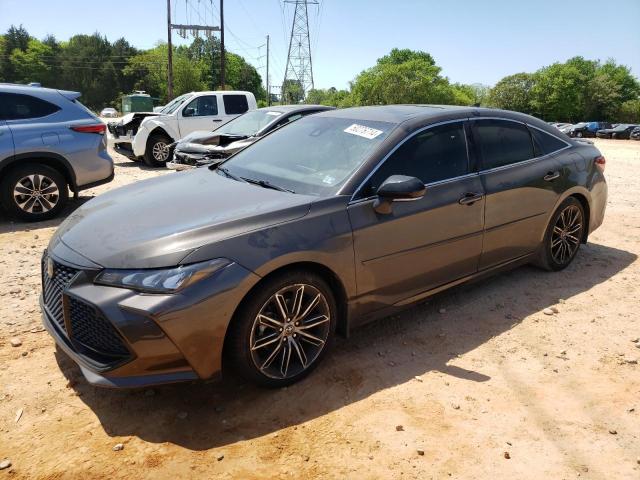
(299, 69)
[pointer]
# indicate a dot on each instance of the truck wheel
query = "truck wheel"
(157, 152)
(34, 192)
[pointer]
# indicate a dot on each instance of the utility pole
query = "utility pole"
(182, 31)
(222, 59)
(170, 55)
(268, 91)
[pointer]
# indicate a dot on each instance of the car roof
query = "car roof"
(33, 90)
(398, 114)
(295, 108)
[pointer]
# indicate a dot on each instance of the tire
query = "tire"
(557, 250)
(156, 144)
(49, 187)
(262, 335)
(579, 134)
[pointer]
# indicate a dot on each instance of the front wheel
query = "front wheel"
(157, 152)
(563, 236)
(283, 330)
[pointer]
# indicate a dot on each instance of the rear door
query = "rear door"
(521, 188)
(427, 242)
(201, 113)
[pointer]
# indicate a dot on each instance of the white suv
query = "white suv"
(147, 135)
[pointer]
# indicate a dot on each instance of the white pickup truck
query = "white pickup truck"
(147, 135)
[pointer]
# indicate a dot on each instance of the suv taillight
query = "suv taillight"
(600, 162)
(98, 128)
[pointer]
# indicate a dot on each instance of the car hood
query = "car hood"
(202, 142)
(158, 222)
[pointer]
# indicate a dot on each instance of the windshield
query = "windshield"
(173, 105)
(621, 128)
(249, 123)
(312, 156)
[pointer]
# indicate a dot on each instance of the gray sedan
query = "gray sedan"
(340, 218)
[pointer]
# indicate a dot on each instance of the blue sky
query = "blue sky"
(472, 40)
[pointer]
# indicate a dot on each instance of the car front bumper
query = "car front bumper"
(123, 338)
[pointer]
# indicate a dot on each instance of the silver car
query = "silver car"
(49, 144)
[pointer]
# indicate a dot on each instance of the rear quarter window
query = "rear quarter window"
(235, 104)
(15, 106)
(545, 143)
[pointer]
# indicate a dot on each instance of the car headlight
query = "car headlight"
(165, 280)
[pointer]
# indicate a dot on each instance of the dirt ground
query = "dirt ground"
(477, 383)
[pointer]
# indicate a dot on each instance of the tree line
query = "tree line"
(103, 71)
(573, 91)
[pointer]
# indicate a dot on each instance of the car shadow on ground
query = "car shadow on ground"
(9, 225)
(377, 356)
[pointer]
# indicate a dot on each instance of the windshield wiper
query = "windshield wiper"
(265, 184)
(216, 166)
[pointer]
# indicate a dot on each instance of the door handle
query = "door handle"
(551, 176)
(470, 198)
(216, 120)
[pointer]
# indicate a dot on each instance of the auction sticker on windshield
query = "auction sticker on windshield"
(363, 131)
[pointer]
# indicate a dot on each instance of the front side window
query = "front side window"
(235, 104)
(503, 142)
(436, 154)
(312, 156)
(201, 107)
(545, 143)
(14, 106)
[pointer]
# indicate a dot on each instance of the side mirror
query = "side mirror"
(189, 112)
(397, 188)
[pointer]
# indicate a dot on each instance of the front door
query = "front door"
(424, 243)
(201, 113)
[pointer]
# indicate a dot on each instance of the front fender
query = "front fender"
(147, 126)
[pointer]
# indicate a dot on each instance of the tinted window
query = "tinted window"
(235, 104)
(15, 106)
(435, 154)
(202, 106)
(545, 143)
(502, 142)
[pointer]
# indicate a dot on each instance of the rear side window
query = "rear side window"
(502, 142)
(235, 104)
(14, 106)
(438, 153)
(545, 143)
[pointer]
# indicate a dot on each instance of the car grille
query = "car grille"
(52, 287)
(89, 328)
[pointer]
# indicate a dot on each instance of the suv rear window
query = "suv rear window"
(235, 104)
(16, 106)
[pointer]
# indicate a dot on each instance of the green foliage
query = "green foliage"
(403, 76)
(630, 112)
(104, 71)
(292, 92)
(330, 96)
(577, 90)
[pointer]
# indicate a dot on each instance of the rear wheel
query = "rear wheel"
(157, 151)
(563, 236)
(34, 192)
(283, 330)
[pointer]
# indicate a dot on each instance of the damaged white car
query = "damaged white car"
(147, 135)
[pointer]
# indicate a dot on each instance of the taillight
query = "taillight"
(98, 128)
(600, 162)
